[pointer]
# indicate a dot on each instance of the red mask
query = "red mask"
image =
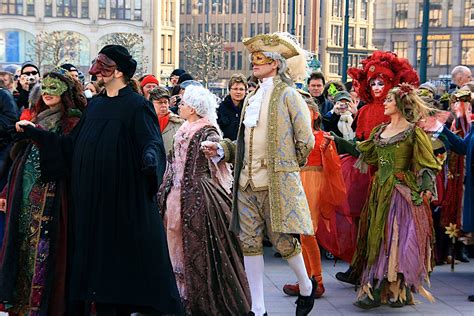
(103, 65)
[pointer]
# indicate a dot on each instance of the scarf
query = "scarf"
(48, 119)
(163, 120)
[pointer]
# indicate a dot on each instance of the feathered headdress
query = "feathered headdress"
(392, 69)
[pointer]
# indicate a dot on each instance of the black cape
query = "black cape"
(120, 254)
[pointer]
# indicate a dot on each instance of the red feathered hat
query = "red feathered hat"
(392, 69)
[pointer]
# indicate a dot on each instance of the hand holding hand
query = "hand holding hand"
(209, 149)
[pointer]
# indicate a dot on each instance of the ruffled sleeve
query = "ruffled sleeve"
(425, 164)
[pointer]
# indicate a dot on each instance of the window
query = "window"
(84, 9)
(137, 10)
(234, 6)
(199, 29)
(226, 60)
(181, 32)
(170, 49)
(252, 30)
(30, 7)
(430, 52)
(259, 28)
(363, 37)
(450, 14)
(188, 28)
(219, 29)
(66, 8)
(227, 31)
(226, 6)
(335, 64)
(241, 7)
(401, 15)
(401, 49)
(189, 7)
(181, 11)
(162, 49)
(120, 10)
(240, 32)
(260, 6)
(435, 16)
(232, 32)
(352, 9)
(12, 7)
(102, 9)
(267, 6)
(267, 28)
(351, 36)
(239, 60)
(469, 13)
(467, 50)
(336, 35)
(442, 53)
(232, 60)
(48, 8)
(253, 6)
(337, 8)
(363, 9)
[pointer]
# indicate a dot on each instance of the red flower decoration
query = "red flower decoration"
(404, 89)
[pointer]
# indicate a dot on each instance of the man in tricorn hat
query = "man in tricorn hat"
(273, 141)
(115, 159)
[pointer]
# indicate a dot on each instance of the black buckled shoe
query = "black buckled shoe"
(304, 304)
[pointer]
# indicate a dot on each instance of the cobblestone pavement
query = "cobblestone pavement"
(450, 289)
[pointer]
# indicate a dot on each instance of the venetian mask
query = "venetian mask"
(377, 87)
(259, 58)
(53, 86)
(103, 65)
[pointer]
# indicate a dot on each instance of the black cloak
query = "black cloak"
(116, 160)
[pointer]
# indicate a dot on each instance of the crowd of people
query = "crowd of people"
(120, 195)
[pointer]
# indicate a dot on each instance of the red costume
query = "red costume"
(391, 70)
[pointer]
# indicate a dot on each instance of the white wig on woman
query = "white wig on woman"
(202, 101)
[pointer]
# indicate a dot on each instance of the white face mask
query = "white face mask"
(88, 93)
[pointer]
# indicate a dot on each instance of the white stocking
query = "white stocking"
(297, 265)
(254, 271)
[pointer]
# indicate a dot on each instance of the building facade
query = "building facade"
(235, 20)
(331, 36)
(93, 22)
(451, 33)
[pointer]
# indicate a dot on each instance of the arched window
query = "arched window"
(16, 46)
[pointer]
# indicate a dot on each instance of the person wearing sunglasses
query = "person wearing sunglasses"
(29, 76)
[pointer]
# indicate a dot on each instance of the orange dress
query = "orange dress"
(325, 190)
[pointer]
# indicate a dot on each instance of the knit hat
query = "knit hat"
(185, 77)
(69, 67)
(159, 93)
(149, 79)
(120, 55)
(178, 72)
(428, 86)
(342, 95)
(29, 64)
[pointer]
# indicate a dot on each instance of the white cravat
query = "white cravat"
(252, 111)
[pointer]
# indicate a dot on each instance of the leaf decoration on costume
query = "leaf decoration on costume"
(445, 97)
(416, 198)
(452, 230)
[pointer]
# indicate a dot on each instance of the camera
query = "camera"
(30, 79)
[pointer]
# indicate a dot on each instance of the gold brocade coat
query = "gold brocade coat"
(289, 141)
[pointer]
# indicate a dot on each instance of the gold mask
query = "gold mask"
(259, 58)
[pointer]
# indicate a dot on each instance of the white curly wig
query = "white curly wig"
(202, 101)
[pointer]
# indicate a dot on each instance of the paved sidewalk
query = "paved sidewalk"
(450, 289)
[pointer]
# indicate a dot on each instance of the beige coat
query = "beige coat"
(170, 130)
(289, 141)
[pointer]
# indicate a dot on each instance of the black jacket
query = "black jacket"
(228, 118)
